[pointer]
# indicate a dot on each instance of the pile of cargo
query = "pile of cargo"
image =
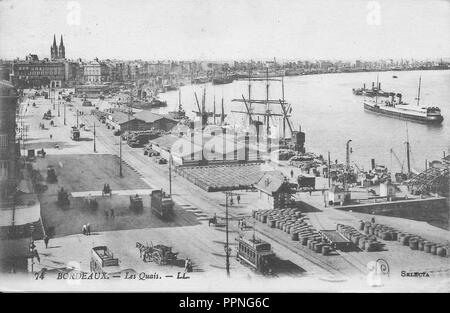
(367, 242)
(213, 178)
(414, 242)
(294, 223)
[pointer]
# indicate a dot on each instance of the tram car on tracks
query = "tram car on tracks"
(255, 253)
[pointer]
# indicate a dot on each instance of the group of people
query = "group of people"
(86, 229)
(107, 189)
(238, 198)
(242, 224)
(110, 214)
(187, 265)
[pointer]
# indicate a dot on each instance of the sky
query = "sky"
(227, 29)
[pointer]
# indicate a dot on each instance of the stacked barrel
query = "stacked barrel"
(293, 222)
(414, 242)
(367, 242)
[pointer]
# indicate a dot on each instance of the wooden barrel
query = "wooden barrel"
(394, 235)
(441, 251)
(414, 244)
(361, 225)
(318, 247)
(420, 245)
(326, 250)
(405, 240)
(433, 249)
(294, 236)
(427, 247)
(386, 235)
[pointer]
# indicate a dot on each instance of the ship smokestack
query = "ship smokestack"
(372, 161)
(364, 86)
(379, 86)
(373, 85)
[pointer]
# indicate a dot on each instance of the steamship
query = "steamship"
(403, 110)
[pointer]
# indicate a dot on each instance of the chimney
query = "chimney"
(246, 147)
(372, 161)
(364, 86)
(379, 86)
(224, 143)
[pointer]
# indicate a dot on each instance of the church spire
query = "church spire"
(61, 43)
(54, 40)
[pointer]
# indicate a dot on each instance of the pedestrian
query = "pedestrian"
(106, 215)
(46, 240)
(36, 254)
(238, 198)
(51, 136)
(186, 265)
(231, 201)
(84, 229)
(32, 246)
(112, 213)
(292, 173)
(373, 220)
(88, 229)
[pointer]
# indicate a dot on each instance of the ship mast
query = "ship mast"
(418, 92)
(376, 94)
(407, 151)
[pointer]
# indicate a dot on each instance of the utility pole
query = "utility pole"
(59, 114)
(77, 118)
(170, 174)
(329, 170)
(64, 112)
(120, 156)
(95, 150)
(227, 250)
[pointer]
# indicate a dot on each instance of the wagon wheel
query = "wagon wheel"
(156, 257)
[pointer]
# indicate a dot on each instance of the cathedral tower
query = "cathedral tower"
(62, 49)
(54, 50)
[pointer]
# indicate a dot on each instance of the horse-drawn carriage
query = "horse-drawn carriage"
(159, 254)
(51, 175)
(63, 197)
(136, 204)
(215, 221)
(106, 190)
(91, 203)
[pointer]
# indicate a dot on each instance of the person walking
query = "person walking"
(238, 198)
(88, 229)
(46, 240)
(112, 213)
(292, 173)
(84, 229)
(231, 201)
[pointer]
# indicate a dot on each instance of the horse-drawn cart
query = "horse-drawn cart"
(159, 254)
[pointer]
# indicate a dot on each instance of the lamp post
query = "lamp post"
(95, 150)
(227, 247)
(120, 156)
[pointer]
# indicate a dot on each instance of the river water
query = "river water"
(330, 114)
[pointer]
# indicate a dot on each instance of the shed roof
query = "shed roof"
(272, 182)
